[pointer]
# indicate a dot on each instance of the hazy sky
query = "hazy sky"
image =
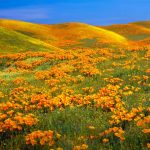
(97, 12)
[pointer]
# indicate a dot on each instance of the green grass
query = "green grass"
(13, 42)
(138, 37)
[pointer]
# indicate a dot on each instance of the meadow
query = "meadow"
(74, 86)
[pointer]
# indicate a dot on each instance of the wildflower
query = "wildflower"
(91, 127)
(105, 140)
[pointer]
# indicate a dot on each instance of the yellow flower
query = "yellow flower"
(146, 130)
(91, 127)
(148, 145)
(58, 135)
(59, 148)
(84, 146)
(105, 140)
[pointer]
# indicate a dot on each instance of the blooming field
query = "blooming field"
(75, 99)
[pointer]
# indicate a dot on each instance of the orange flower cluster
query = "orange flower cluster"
(39, 101)
(19, 81)
(144, 122)
(114, 81)
(117, 131)
(12, 121)
(120, 114)
(19, 61)
(108, 97)
(88, 90)
(23, 65)
(30, 54)
(24, 99)
(42, 138)
(89, 70)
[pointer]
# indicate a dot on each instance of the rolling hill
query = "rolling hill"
(84, 35)
(22, 36)
(145, 24)
(12, 41)
(132, 31)
(66, 35)
(33, 30)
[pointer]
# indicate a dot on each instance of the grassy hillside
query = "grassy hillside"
(30, 29)
(12, 41)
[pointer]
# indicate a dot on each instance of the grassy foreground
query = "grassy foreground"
(80, 99)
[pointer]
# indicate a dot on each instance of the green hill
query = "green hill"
(31, 29)
(12, 41)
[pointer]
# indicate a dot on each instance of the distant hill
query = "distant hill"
(145, 24)
(17, 36)
(132, 31)
(84, 35)
(67, 35)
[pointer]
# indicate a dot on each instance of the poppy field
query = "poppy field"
(76, 97)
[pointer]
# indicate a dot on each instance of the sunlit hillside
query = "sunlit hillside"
(12, 42)
(85, 35)
(67, 35)
(30, 29)
(71, 35)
